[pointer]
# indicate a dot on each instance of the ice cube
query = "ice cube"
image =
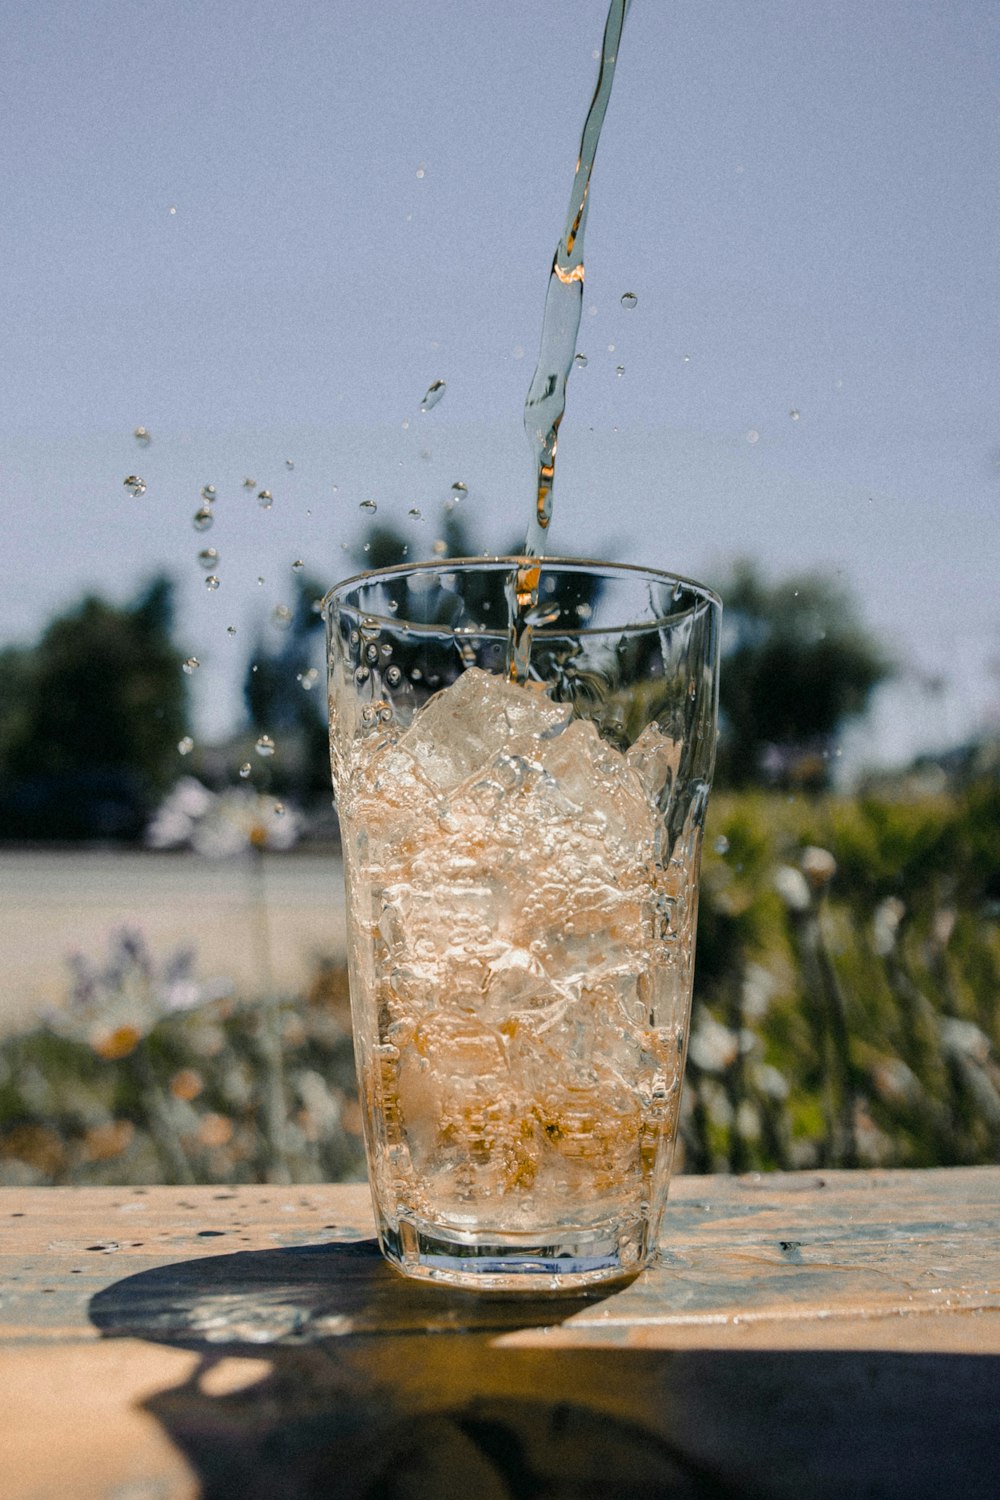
(655, 758)
(470, 1135)
(462, 728)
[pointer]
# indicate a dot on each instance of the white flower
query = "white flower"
(222, 824)
(792, 887)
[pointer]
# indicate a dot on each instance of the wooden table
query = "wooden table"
(801, 1335)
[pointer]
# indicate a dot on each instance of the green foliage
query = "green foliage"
(797, 665)
(90, 718)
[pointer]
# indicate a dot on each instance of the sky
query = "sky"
(261, 228)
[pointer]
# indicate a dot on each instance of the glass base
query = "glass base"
(561, 1259)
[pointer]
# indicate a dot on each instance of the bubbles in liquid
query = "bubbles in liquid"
(370, 505)
(249, 484)
(580, 361)
(208, 557)
(282, 616)
(142, 436)
(415, 512)
(619, 371)
(211, 582)
(264, 746)
(459, 490)
(279, 809)
(202, 519)
(794, 414)
(185, 746)
(393, 677)
(265, 499)
(439, 547)
(421, 171)
(260, 580)
(230, 629)
(289, 463)
(309, 679)
(433, 395)
(191, 665)
(722, 844)
(629, 300)
(298, 565)
(208, 493)
(753, 436)
(135, 485)
(245, 769)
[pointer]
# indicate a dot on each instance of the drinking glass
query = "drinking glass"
(521, 839)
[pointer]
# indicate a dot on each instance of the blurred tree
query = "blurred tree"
(797, 664)
(283, 690)
(89, 731)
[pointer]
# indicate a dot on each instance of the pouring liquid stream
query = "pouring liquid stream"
(546, 400)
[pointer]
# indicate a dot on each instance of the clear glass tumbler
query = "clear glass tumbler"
(521, 853)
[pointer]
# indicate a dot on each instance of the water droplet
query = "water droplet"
(282, 616)
(142, 436)
(249, 484)
(619, 371)
(135, 485)
(230, 629)
(289, 463)
(260, 580)
(794, 414)
(371, 653)
(629, 300)
(421, 171)
(580, 360)
(415, 512)
(368, 505)
(185, 746)
(264, 746)
(298, 565)
(361, 674)
(211, 582)
(208, 557)
(208, 493)
(393, 677)
(459, 490)
(202, 519)
(173, 208)
(722, 844)
(309, 679)
(686, 358)
(191, 665)
(433, 395)
(245, 769)
(439, 547)
(265, 499)
(753, 436)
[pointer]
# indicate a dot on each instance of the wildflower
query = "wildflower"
(818, 866)
(885, 925)
(221, 824)
(793, 888)
(112, 1006)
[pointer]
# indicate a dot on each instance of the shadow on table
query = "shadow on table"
(377, 1388)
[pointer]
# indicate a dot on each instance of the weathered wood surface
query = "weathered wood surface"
(827, 1335)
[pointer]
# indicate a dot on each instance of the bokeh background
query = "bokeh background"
(240, 242)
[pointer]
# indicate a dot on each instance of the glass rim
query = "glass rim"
(493, 561)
